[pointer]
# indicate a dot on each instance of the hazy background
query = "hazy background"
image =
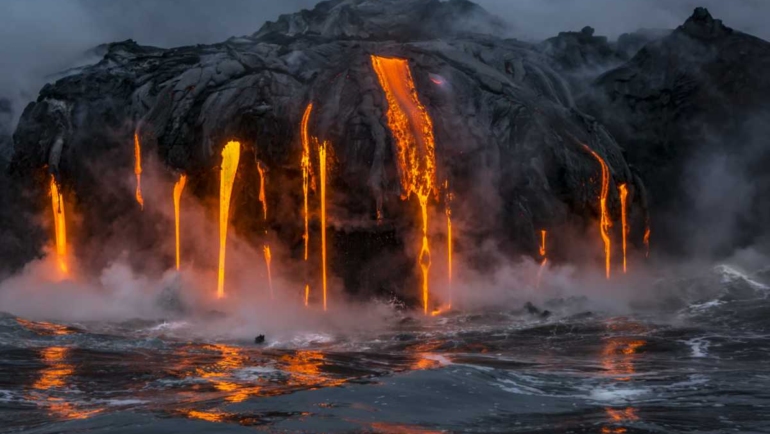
(40, 37)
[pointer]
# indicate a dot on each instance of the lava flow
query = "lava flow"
(263, 200)
(448, 211)
(178, 188)
(306, 169)
(412, 130)
(231, 155)
(623, 197)
(647, 239)
(57, 204)
(268, 260)
(605, 223)
(138, 169)
(322, 174)
(543, 253)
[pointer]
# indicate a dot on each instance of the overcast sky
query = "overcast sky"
(38, 37)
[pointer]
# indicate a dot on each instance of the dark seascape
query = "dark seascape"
(702, 368)
(384, 216)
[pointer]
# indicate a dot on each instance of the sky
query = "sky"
(40, 37)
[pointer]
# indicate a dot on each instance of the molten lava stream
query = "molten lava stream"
(231, 155)
(623, 198)
(412, 130)
(262, 199)
(449, 245)
(307, 295)
(60, 227)
(322, 174)
(178, 188)
(268, 260)
(305, 163)
(543, 253)
(647, 239)
(138, 169)
(605, 223)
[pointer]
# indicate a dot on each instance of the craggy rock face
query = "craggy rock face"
(508, 134)
(693, 112)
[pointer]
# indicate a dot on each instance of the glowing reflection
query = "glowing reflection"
(45, 328)
(305, 368)
(55, 377)
(618, 357)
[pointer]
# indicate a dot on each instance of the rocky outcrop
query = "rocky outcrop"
(507, 130)
(692, 112)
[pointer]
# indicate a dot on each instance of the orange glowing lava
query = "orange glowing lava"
(306, 169)
(268, 260)
(605, 223)
(623, 198)
(262, 199)
(449, 240)
(322, 173)
(138, 169)
(231, 155)
(543, 253)
(60, 227)
(307, 295)
(178, 188)
(647, 239)
(412, 130)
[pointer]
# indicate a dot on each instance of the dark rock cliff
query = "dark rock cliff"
(508, 129)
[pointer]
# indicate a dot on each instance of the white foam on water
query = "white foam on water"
(698, 346)
(615, 395)
(255, 372)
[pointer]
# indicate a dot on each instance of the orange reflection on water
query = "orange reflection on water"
(392, 428)
(618, 357)
(305, 367)
(45, 328)
(209, 416)
(54, 377)
(231, 359)
(619, 415)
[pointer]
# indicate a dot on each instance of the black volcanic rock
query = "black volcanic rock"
(577, 50)
(700, 94)
(402, 20)
(508, 137)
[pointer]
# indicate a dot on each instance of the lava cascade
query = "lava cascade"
(322, 173)
(306, 171)
(623, 198)
(604, 223)
(412, 130)
(268, 261)
(448, 212)
(263, 200)
(60, 227)
(647, 239)
(544, 254)
(231, 155)
(138, 169)
(178, 188)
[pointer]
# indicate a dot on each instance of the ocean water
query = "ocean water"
(701, 366)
